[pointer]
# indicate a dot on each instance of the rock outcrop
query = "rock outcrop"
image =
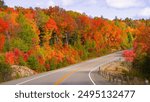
(21, 71)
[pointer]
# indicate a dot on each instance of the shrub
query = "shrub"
(142, 64)
(85, 54)
(129, 55)
(33, 62)
(53, 64)
(21, 61)
(5, 72)
(41, 68)
(10, 57)
(2, 58)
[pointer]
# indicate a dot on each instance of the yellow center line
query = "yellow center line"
(61, 79)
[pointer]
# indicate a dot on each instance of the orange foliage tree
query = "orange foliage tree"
(50, 28)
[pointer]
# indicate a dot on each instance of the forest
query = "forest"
(48, 39)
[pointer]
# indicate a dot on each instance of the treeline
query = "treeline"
(47, 39)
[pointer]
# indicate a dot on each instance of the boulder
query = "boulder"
(21, 71)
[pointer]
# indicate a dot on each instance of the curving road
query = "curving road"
(84, 73)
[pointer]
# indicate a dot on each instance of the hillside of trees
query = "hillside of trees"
(48, 39)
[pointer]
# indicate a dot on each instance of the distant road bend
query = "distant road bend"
(84, 73)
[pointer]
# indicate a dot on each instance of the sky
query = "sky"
(134, 9)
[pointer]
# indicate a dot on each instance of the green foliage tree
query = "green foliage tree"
(26, 34)
(41, 20)
(20, 44)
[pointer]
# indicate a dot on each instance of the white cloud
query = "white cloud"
(124, 3)
(67, 2)
(71, 2)
(92, 1)
(145, 12)
(51, 3)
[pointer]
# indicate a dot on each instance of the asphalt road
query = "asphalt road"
(84, 73)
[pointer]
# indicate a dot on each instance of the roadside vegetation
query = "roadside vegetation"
(48, 39)
(138, 59)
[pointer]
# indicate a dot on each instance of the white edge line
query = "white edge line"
(98, 67)
(95, 69)
(38, 77)
(32, 79)
(91, 72)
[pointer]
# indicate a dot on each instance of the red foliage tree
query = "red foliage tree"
(10, 57)
(97, 24)
(129, 55)
(2, 42)
(3, 25)
(51, 25)
(3, 28)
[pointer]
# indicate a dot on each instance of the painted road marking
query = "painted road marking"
(115, 59)
(38, 77)
(61, 79)
(90, 74)
(49, 73)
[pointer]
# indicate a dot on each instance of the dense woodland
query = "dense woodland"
(47, 39)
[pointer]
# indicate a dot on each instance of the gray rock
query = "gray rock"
(21, 71)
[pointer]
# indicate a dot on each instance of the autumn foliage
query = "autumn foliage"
(10, 57)
(139, 56)
(129, 55)
(2, 39)
(3, 25)
(51, 25)
(3, 28)
(47, 39)
(142, 50)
